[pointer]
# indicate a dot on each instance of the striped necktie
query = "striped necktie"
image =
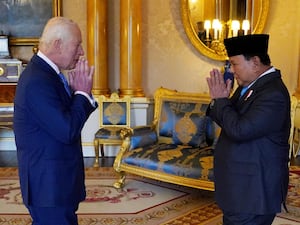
(65, 82)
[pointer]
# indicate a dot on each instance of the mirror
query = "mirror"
(207, 34)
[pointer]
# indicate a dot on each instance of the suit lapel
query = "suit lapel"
(247, 98)
(43, 65)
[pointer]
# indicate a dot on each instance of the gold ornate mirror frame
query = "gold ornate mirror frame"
(261, 12)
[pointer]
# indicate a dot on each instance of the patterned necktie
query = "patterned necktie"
(65, 82)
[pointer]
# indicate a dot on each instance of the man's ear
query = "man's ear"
(57, 44)
(256, 63)
(256, 60)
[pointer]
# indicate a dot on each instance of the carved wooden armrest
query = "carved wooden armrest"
(125, 135)
(137, 137)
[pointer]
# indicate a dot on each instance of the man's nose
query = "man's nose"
(81, 52)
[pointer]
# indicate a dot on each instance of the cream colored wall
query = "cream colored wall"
(169, 58)
(171, 61)
(284, 46)
(76, 10)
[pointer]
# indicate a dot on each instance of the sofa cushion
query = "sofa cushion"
(142, 136)
(190, 129)
(173, 159)
(169, 109)
(166, 119)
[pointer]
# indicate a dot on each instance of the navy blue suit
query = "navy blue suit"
(252, 153)
(47, 125)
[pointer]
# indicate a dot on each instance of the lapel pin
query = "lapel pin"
(248, 95)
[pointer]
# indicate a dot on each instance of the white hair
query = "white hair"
(57, 28)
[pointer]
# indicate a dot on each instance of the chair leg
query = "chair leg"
(102, 150)
(96, 147)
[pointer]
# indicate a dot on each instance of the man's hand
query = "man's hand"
(81, 78)
(217, 87)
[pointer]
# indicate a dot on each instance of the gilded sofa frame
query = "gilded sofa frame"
(122, 168)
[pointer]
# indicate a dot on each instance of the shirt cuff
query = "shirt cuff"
(90, 98)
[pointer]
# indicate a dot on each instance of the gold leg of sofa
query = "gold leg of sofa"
(121, 181)
(125, 134)
(96, 147)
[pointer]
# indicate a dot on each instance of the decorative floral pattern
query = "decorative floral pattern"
(196, 207)
(98, 193)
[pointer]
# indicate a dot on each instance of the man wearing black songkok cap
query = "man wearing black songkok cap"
(252, 153)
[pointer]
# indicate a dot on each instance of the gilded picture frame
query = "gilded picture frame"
(23, 21)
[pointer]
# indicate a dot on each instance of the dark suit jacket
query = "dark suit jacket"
(252, 153)
(47, 127)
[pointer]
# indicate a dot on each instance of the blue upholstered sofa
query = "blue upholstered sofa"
(176, 148)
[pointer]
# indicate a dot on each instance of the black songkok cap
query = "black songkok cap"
(247, 44)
